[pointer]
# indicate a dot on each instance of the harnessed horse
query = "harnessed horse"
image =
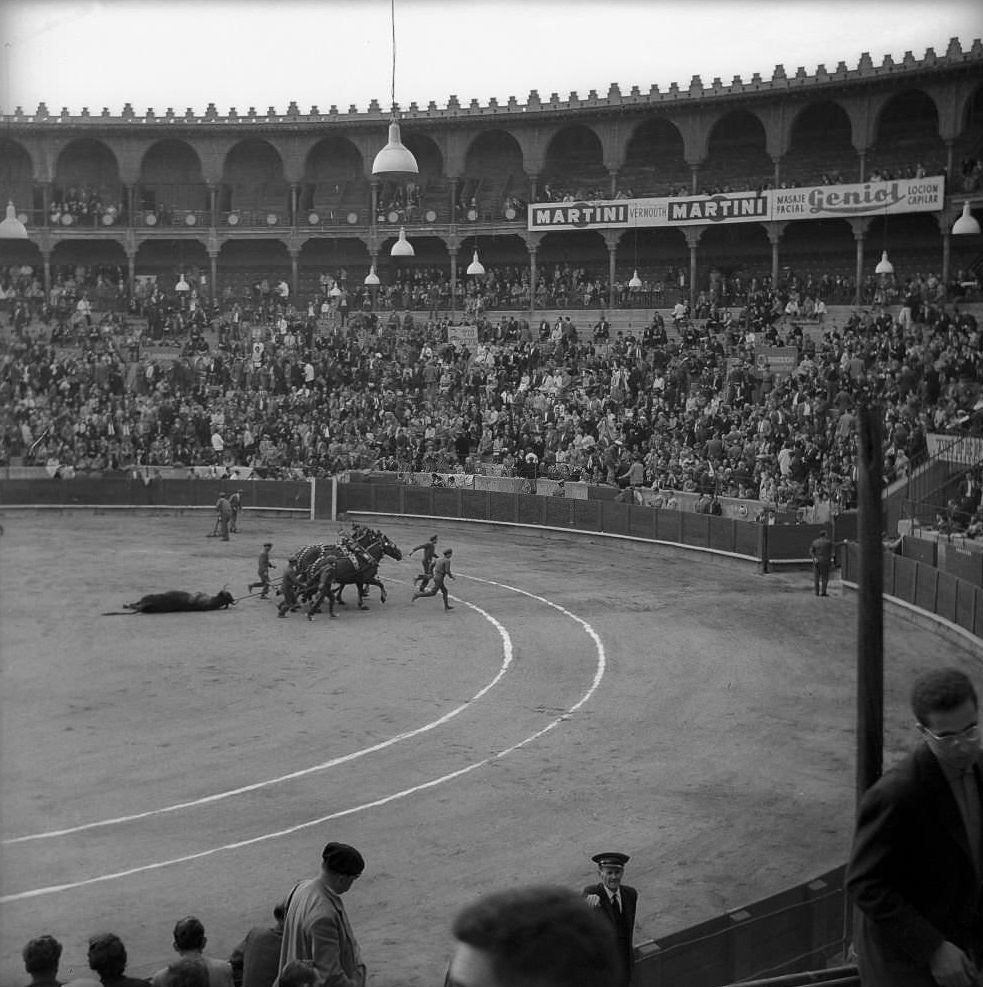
(325, 566)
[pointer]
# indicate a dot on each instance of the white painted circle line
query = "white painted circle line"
(556, 721)
(507, 656)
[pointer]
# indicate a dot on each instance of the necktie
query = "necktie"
(616, 905)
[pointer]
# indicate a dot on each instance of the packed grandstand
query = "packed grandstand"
(647, 315)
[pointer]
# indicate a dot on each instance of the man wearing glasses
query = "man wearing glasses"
(915, 869)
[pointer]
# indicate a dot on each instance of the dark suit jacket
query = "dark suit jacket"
(629, 903)
(911, 874)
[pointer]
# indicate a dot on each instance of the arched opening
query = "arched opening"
(736, 160)
(574, 167)
(254, 189)
(495, 185)
(907, 140)
(171, 187)
(654, 162)
(87, 186)
(820, 148)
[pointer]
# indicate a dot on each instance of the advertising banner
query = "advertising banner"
(461, 336)
(780, 360)
(869, 199)
(812, 202)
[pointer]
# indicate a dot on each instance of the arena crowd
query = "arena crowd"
(680, 404)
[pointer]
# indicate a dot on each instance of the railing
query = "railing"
(801, 928)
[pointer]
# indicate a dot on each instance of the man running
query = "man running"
(429, 549)
(441, 571)
(263, 567)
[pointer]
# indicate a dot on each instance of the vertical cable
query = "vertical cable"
(392, 19)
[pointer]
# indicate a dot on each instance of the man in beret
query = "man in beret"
(316, 927)
(617, 903)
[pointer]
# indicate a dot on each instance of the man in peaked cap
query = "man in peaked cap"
(316, 926)
(617, 903)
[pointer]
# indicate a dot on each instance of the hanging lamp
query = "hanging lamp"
(635, 282)
(11, 228)
(182, 285)
(966, 225)
(884, 266)
(476, 268)
(402, 247)
(372, 279)
(395, 162)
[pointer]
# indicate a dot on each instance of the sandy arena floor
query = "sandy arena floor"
(584, 694)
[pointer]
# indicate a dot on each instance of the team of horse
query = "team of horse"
(324, 570)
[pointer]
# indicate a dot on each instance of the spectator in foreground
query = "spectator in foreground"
(316, 926)
(189, 942)
(186, 973)
(256, 960)
(914, 873)
(41, 957)
(532, 937)
(107, 959)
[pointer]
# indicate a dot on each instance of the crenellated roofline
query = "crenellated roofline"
(865, 71)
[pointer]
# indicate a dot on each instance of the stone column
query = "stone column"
(774, 230)
(374, 206)
(859, 227)
(213, 212)
(294, 272)
(695, 178)
(453, 254)
(293, 204)
(532, 246)
(692, 234)
(453, 200)
(611, 238)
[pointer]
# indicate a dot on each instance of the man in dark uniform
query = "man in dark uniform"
(821, 552)
(617, 903)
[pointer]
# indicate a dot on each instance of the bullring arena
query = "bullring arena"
(585, 692)
(632, 342)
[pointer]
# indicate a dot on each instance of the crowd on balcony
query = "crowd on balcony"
(682, 406)
(84, 205)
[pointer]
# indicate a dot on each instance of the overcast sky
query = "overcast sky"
(242, 53)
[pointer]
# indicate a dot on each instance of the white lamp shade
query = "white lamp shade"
(11, 228)
(402, 247)
(372, 279)
(476, 267)
(966, 225)
(182, 285)
(335, 292)
(884, 266)
(395, 161)
(635, 281)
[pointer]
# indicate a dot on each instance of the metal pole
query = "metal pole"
(870, 601)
